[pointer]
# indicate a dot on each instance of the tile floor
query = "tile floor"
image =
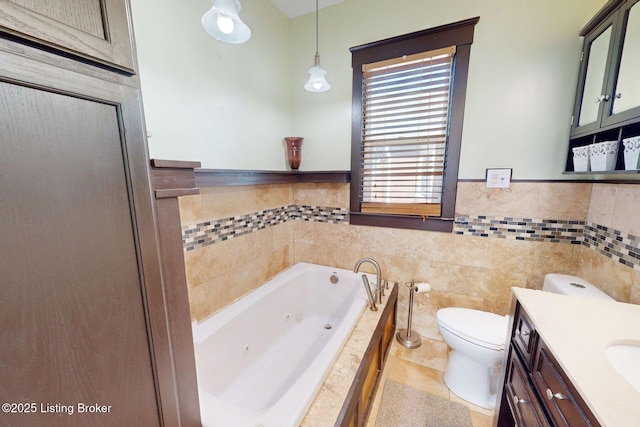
(423, 369)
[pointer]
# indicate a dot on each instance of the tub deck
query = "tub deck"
(326, 406)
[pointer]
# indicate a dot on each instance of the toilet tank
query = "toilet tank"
(571, 285)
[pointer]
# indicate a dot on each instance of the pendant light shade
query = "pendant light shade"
(223, 23)
(317, 82)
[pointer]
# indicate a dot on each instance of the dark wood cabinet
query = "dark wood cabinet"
(536, 391)
(524, 337)
(525, 407)
(84, 315)
(561, 400)
(96, 30)
(357, 405)
(607, 104)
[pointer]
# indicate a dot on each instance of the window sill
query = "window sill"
(399, 221)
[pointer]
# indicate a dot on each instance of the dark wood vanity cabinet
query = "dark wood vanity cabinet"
(525, 407)
(607, 103)
(561, 400)
(536, 391)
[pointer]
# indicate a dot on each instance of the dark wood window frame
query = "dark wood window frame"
(459, 34)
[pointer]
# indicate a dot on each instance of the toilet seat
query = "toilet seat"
(482, 328)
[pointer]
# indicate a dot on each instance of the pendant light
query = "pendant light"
(317, 82)
(223, 23)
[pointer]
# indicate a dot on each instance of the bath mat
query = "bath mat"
(404, 406)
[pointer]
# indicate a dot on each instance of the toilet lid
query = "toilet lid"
(481, 327)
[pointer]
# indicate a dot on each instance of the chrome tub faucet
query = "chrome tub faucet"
(378, 297)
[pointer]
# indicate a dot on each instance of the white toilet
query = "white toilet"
(477, 339)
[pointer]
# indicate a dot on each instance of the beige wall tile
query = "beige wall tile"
(474, 198)
(562, 200)
(613, 278)
(554, 258)
(510, 255)
(315, 254)
(224, 202)
(634, 298)
(199, 302)
(314, 194)
(602, 204)
(627, 205)
(228, 286)
(190, 209)
(538, 200)
(344, 195)
(205, 263)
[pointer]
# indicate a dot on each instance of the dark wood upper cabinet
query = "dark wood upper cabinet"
(608, 91)
(607, 103)
(96, 30)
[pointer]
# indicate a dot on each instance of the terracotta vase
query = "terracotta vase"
(294, 151)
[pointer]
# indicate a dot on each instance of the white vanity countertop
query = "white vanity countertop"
(578, 331)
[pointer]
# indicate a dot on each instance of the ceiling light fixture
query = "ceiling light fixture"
(317, 82)
(223, 23)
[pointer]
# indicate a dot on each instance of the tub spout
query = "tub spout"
(378, 298)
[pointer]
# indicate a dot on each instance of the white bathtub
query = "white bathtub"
(261, 360)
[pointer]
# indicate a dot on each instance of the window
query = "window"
(408, 105)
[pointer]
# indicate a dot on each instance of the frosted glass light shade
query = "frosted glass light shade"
(223, 23)
(317, 82)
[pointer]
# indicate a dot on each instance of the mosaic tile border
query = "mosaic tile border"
(215, 231)
(614, 244)
(526, 229)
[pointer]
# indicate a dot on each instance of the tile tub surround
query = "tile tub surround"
(218, 274)
(220, 230)
(464, 269)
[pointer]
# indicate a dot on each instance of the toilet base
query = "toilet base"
(472, 381)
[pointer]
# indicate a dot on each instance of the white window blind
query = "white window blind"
(404, 133)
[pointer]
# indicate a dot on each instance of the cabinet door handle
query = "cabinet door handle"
(603, 98)
(551, 395)
(524, 334)
(517, 400)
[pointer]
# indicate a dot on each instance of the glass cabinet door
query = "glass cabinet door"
(593, 92)
(626, 93)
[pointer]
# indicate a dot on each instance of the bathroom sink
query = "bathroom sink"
(625, 359)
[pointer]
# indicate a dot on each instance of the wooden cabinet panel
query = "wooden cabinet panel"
(98, 30)
(370, 381)
(357, 405)
(84, 311)
(559, 399)
(524, 336)
(522, 399)
(74, 325)
(387, 336)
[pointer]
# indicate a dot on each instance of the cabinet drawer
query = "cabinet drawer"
(559, 400)
(524, 336)
(521, 397)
